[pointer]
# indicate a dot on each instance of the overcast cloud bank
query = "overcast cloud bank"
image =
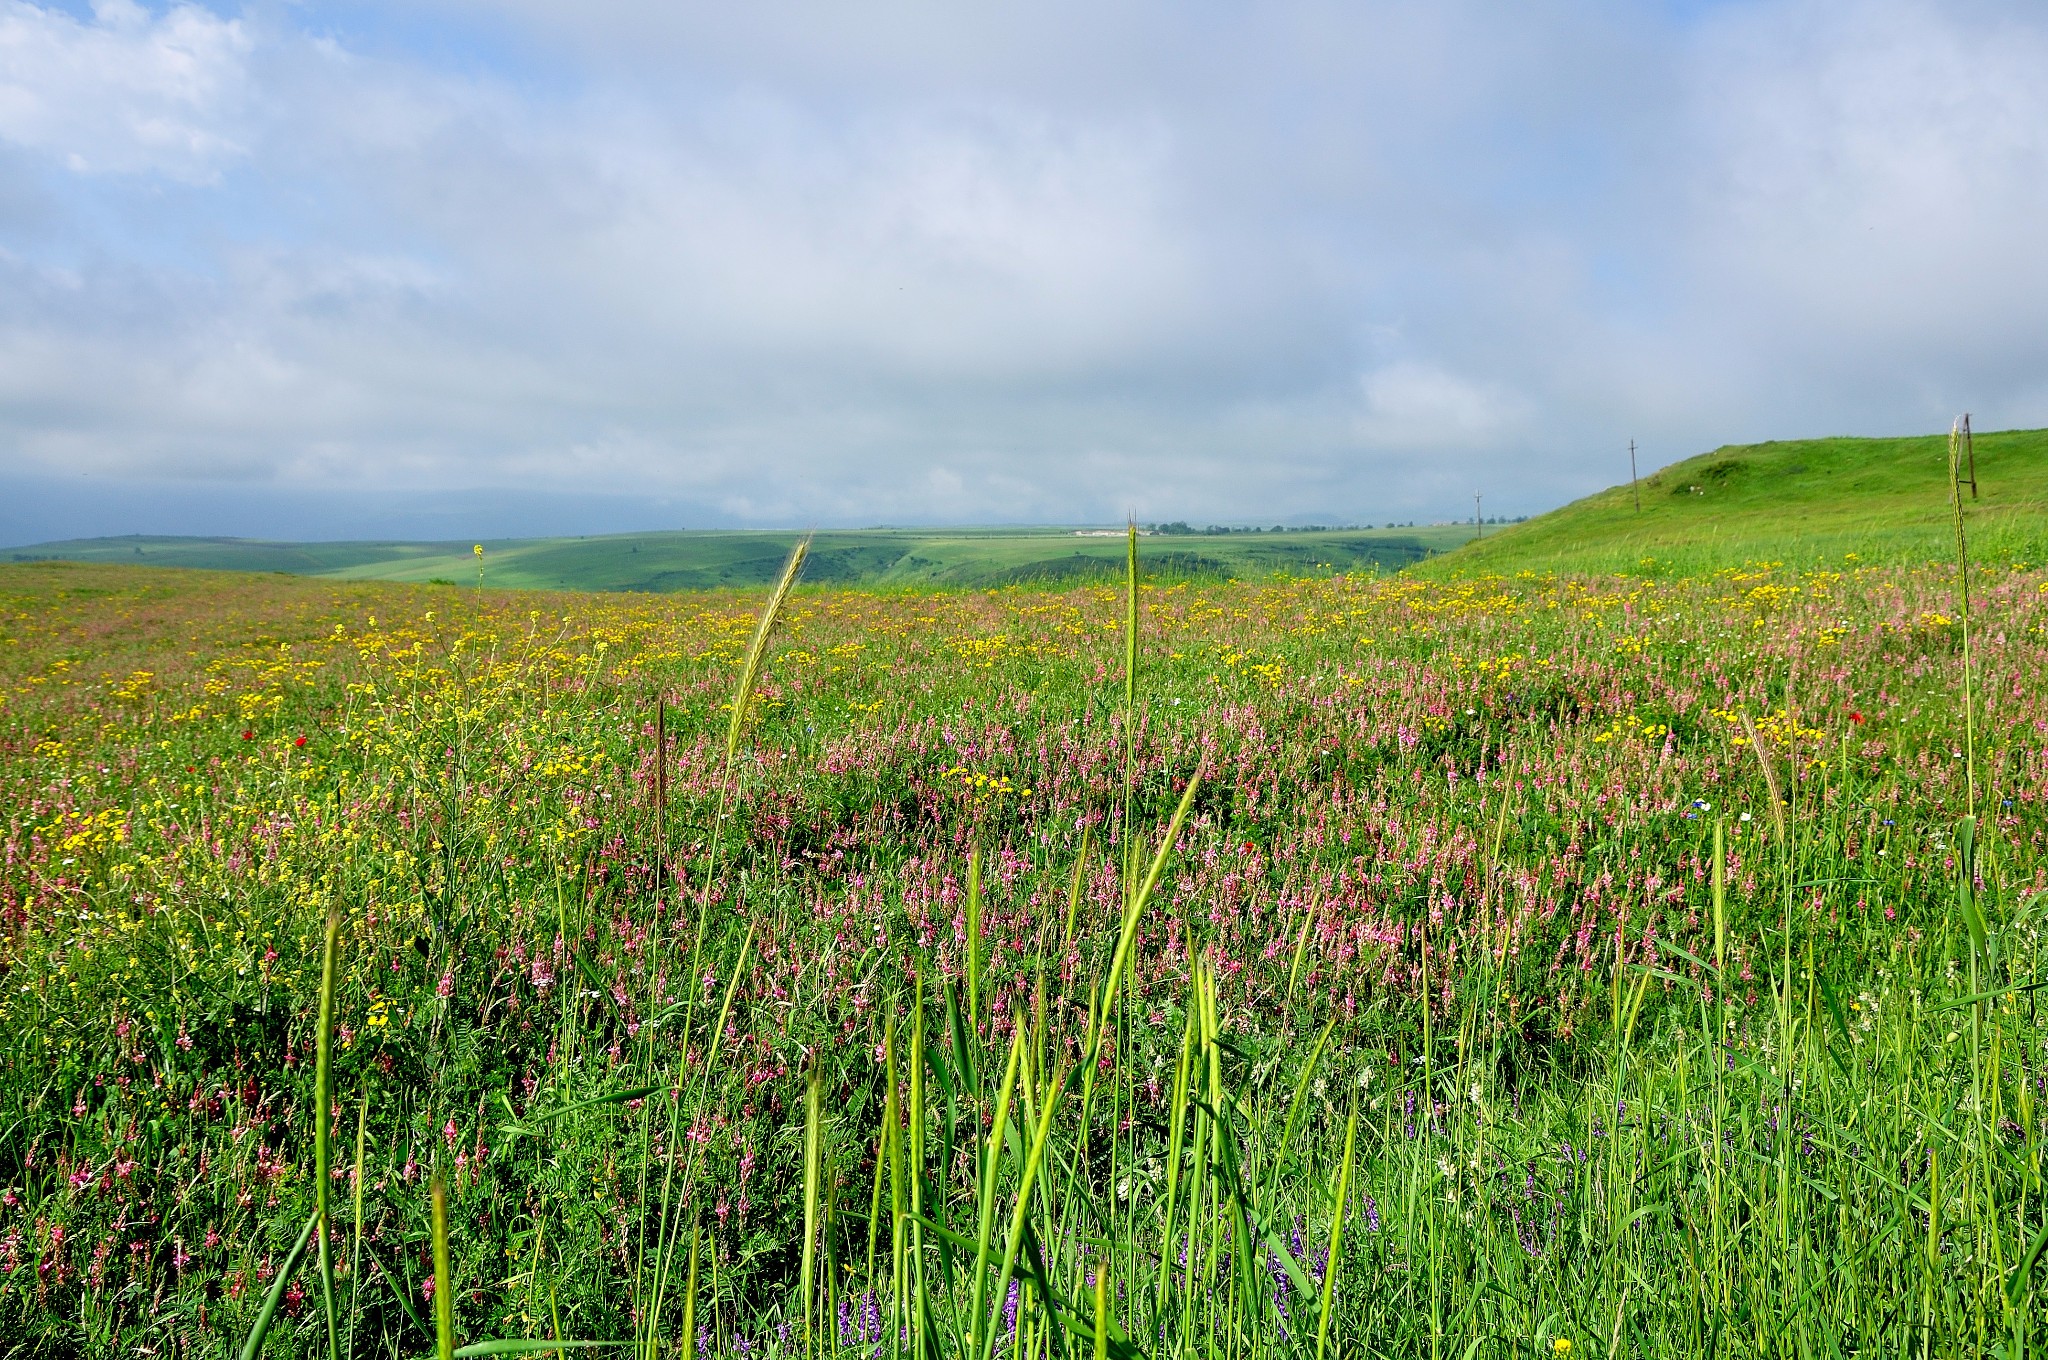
(908, 263)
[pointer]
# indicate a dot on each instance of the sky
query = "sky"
(445, 268)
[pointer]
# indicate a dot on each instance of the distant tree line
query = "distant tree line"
(1182, 527)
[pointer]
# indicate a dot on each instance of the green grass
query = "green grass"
(1804, 502)
(697, 559)
(1340, 967)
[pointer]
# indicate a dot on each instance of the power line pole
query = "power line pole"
(1634, 487)
(1970, 450)
(1477, 522)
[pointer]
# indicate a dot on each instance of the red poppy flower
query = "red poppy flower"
(1855, 717)
(248, 735)
(300, 742)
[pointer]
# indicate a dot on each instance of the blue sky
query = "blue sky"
(512, 266)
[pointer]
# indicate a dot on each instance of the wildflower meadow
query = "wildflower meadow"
(1516, 965)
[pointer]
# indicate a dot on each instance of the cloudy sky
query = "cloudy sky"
(494, 266)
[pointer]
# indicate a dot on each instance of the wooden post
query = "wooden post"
(1634, 487)
(1477, 523)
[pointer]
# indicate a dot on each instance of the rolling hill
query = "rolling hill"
(705, 559)
(1802, 502)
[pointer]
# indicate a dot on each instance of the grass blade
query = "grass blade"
(690, 1298)
(814, 1133)
(268, 1313)
(1294, 1108)
(1332, 1269)
(323, 1102)
(444, 1289)
(974, 938)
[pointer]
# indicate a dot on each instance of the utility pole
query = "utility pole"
(1477, 522)
(1634, 487)
(1970, 450)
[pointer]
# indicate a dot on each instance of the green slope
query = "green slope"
(1802, 502)
(701, 559)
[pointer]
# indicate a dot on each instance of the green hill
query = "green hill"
(700, 559)
(1801, 501)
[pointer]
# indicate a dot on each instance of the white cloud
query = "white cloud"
(125, 91)
(1873, 198)
(1419, 405)
(979, 244)
(919, 261)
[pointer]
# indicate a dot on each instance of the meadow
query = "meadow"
(1515, 964)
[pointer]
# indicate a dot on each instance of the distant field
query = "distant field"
(700, 559)
(1803, 502)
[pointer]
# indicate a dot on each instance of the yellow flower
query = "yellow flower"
(1562, 1345)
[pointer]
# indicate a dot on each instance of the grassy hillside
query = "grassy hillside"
(1801, 502)
(685, 560)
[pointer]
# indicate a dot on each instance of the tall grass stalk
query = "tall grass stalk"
(1127, 786)
(1957, 439)
(650, 1277)
(355, 1258)
(323, 1119)
(1335, 1258)
(742, 702)
(814, 1158)
(444, 1276)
